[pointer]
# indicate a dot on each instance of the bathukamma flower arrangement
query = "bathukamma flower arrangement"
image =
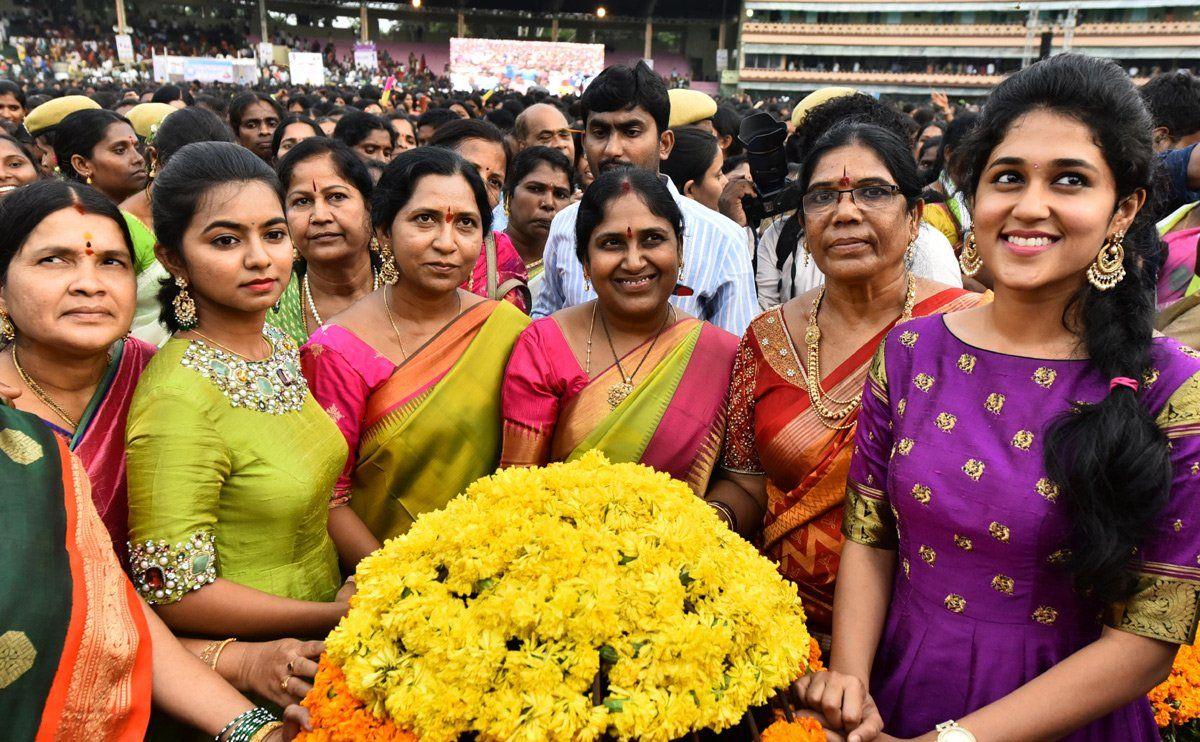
(577, 601)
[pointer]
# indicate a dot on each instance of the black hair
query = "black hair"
(28, 206)
(8, 87)
(399, 181)
(847, 108)
(1109, 459)
(528, 160)
(614, 183)
(727, 121)
(79, 133)
(346, 163)
(436, 117)
(460, 130)
(620, 88)
(501, 119)
(23, 147)
(183, 182)
(691, 157)
(355, 127)
(285, 122)
(887, 145)
(189, 125)
(216, 104)
(732, 162)
(238, 106)
(1174, 102)
(171, 93)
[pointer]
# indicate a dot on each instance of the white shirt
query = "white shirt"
(933, 258)
(717, 267)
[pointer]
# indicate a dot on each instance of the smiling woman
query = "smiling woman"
(652, 389)
(17, 165)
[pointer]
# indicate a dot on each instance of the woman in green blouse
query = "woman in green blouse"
(231, 461)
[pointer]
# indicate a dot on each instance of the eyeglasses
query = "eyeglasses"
(865, 197)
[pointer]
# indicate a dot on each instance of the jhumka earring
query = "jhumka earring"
(969, 260)
(387, 265)
(7, 332)
(1109, 267)
(184, 306)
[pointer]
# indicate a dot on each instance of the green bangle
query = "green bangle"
(245, 724)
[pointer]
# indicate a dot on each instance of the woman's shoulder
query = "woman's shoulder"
(172, 376)
(1172, 383)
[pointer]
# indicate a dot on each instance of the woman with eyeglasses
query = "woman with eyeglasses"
(796, 386)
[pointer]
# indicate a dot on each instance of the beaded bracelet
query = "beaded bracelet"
(245, 725)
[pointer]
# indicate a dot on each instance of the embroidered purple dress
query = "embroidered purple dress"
(948, 472)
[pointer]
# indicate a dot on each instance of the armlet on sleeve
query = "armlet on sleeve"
(867, 518)
(877, 375)
(163, 573)
(1163, 606)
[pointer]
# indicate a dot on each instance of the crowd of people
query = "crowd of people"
(245, 338)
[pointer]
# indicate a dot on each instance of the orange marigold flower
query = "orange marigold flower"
(814, 656)
(337, 716)
(1176, 701)
(800, 730)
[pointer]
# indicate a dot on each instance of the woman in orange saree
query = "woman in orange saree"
(660, 399)
(789, 439)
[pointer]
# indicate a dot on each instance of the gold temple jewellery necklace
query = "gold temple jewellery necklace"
(620, 391)
(831, 418)
(41, 393)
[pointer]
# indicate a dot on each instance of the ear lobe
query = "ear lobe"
(666, 143)
(688, 187)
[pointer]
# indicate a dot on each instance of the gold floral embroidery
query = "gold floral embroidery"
(901, 406)
(923, 381)
(905, 446)
(945, 422)
(974, 469)
(1150, 377)
(1177, 525)
(1059, 557)
(1189, 352)
(19, 446)
(1022, 440)
(963, 543)
(1002, 584)
(922, 494)
(866, 518)
(1045, 615)
(16, 656)
(908, 338)
(1044, 377)
(999, 531)
(995, 403)
(1195, 468)
(1047, 489)
(927, 554)
(904, 563)
(966, 363)
(1162, 608)
(956, 603)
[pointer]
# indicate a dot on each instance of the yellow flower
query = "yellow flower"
(569, 602)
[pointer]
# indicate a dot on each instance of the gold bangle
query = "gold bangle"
(265, 730)
(211, 654)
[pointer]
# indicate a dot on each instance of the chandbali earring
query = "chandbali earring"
(185, 308)
(1109, 267)
(910, 254)
(387, 265)
(8, 332)
(969, 259)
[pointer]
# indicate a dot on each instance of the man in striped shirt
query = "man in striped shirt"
(625, 115)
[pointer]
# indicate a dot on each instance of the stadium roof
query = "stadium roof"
(617, 10)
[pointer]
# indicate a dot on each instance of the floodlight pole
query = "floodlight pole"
(121, 28)
(647, 47)
(262, 20)
(364, 28)
(554, 28)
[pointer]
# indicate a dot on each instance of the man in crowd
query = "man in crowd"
(625, 115)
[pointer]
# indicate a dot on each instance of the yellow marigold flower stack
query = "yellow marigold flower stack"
(1176, 701)
(567, 603)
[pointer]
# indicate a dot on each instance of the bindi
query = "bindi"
(79, 208)
(87, 247)
(629, 233)
(449, 216)
(845, 179)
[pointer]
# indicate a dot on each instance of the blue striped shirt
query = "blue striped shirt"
(717, 267)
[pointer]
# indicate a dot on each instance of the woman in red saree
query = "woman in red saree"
(65, 315)
(788, 446)
(626, 374)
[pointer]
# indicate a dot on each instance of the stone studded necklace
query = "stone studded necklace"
(274, 385)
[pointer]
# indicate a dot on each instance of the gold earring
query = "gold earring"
(969, 260)
(88, 180)
(8, 332)
(807, 254)
(1109, 267)
(185, 308)
(387, 265)
(910, 253)
(587, 283)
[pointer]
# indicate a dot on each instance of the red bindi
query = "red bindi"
(79, 208)
(845, 181)
(449, 216)
(88, 251)
(629, 233)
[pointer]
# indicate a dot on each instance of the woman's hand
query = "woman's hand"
(346, 592)
(295, 719)
(844, 703)
(8, 394)
(268, 668)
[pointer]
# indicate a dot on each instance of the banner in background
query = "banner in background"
(266, 53)
(306, 68)
(559, 67)
(125, 48)
(365, 56)
(169, 68)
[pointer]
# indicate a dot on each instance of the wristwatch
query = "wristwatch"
(950, 731)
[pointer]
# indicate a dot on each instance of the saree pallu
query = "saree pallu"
(773, 430)
(75, 648)
(673, 420)
(434, 426)
(99, 441)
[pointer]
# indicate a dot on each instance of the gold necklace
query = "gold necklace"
(392, 319)
(312, 305)
(41, 393)
(831, 418)
(619, 392)
(209, 341)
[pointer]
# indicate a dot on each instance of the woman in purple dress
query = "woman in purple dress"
(1022, 517)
